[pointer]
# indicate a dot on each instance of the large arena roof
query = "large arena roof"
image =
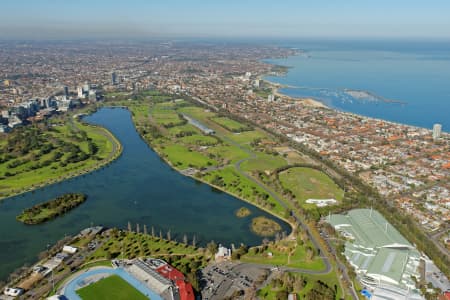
(369, 229)
(379, 253)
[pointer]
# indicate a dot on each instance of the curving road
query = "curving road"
(300, 221)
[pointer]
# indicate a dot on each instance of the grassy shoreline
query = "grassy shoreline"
(117, 149)
(292, 225)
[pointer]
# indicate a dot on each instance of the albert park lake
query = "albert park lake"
(139, 188)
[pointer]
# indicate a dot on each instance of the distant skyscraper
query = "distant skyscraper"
(113, 78)
(66, 91)
(80, 92)
(437, 129)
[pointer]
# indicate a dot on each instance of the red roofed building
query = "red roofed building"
(444, 296)
(185, 288)
(447, 295)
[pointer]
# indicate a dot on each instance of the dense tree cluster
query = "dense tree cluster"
(43, 212)
(26, 147)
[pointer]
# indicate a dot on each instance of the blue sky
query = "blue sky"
(230, 18)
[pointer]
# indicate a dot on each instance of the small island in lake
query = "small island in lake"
(49, 210)
(263, 226)
(243, 212)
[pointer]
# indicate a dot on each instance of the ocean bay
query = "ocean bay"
(400, 82)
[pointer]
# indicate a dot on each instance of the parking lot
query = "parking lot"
(230, 280)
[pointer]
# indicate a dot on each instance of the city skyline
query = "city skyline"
(47, 19)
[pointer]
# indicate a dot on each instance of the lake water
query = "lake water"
(138, 188)
(404, 82)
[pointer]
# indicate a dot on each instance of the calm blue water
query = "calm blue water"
(414, 74)
(139, 188)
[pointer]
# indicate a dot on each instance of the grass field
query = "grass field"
(227, 153)
(307, 183)
(111, 287)
(188, 128)
(199, 140)
(166, 116)
(140, 112)
(285, 253)
(198, 113)
(231, 125)
(263, 162)
(182, 157)
(246, 137)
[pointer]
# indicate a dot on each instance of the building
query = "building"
(66, 91)
(13, 292)
(69, 249)
(270, 98)
(199, 125)
(80, 92)
(113, 78)
(384, 260)
(162, 278)
(4, 128)
(437, 130)
(56, 297)
(223, 253)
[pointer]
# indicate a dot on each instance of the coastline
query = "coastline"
(115, 154)
(309, 101)
(317, 103)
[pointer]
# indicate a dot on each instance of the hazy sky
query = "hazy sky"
(224, 18)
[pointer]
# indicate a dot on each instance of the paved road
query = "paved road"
(316, 245)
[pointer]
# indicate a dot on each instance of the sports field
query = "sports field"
(307, 183)
(112, 287)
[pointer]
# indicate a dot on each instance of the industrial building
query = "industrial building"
(384, 260)
(199, 125)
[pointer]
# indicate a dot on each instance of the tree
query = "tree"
(309, 253)
(281, 295)
(212, 247)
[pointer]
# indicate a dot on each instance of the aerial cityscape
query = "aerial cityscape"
(227, 150)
